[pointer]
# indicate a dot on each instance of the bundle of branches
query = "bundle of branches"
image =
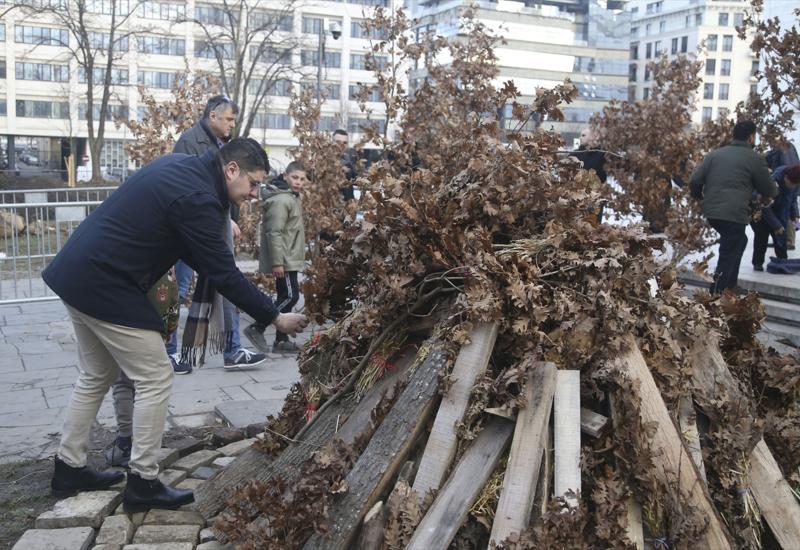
(480, 269)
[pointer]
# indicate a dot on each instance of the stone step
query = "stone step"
(779, 331)
(782, 288)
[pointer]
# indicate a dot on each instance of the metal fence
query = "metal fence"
(35, 225)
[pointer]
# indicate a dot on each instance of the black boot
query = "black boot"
(142, 494)
(68, 480)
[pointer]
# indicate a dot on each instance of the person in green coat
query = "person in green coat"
(283, 249)
(726, 180)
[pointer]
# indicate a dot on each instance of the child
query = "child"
(282, 249)
(776, 217)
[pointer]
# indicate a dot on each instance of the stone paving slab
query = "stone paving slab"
(210, 545)
(162, 546)
(172, 477)
(237, 447)
(84, 509)
(149, 534)
(240, 414)
(223, 461)
(174, 517)
(195, 460)
(116, 530)
(73, 538)
(204, 472)
(190, 483)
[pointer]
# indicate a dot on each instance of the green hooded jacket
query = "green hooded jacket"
(283, 239)
(728, 176)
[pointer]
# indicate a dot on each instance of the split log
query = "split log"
(567, 433)
(524, 460)
(352, 419)
(673, 464)
(445, 516)
(441, 447)
(687, 420)
(383, 457)
(592, 423)
(713, 378)
(633, 508)
(371, 537)
(545, 473)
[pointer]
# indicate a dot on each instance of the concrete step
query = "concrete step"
(781, 288)
(782, 333)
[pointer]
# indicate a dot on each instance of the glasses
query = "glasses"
(253, 183)
(217, 101)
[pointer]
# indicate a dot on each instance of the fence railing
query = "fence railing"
(35, 225)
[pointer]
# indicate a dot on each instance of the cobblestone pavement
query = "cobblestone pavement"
(38, 369)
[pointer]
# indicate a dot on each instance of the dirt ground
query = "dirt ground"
(25, 485)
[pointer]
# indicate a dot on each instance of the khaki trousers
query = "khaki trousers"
(103, 350)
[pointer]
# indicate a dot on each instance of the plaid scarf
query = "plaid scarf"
(210, 320)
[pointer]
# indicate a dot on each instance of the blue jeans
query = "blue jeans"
(183, 275)
(236, 343)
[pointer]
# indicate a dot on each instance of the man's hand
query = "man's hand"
(290, 323)
(277, 271)
(780, 231)
(237, 233)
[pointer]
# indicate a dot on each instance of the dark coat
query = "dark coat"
(173, 208)
(592, 160)
(784, 206)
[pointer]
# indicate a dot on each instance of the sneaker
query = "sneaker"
(285, 347)
(758, 268)
(178, 367)
(245, 358)
(255, 333)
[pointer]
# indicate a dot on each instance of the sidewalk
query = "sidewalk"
(38, 369)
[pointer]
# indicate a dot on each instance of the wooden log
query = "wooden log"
(713, 379)
(567, 435)
(671, 457)
(634, 528)
(371, 537)
(253, 465)
(441, 447)
(383, 457)
(445, 516)
(524, 460)
(687, 420)
(546, 472)
(592, 423)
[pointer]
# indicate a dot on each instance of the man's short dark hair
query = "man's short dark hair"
(339, 132)
(247, 153)
(744, 129)
(295, 166)
(218, 104)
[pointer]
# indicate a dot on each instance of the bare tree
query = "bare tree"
(252, 44)
(98, 35)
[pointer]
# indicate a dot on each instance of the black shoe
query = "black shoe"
(285, 347)
(120, 454)
(255, 333)
(178, 367)
(68, 481)
(758, 268)
(142, 494)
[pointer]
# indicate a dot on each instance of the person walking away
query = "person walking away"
(726, 180)
(282, 249)
(175, 207)
(777, 217)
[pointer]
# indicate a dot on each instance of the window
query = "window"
(271, 55)
(330, 90)
(711, 42)
(688, 22)
(100, 41)
(727, 43)
(708, 91)
(359, 61)
(161, 45)
(754, 68)
(725, 67)
(698, 19)
(3, 108)
(328, 124)
(310, 58)
(649, 51)
(312, 25)
(281, 88)
(647, 73)
(212, 15)
(634, 31)
(738, 19)
(212, 50)
(156, 79)
(684, 44)
(41, 71)
(645, 93)
(373, 95)
(355, 125)
(357, 31)
(657, 47)
(384, 3)
(162, 10)
(275, 121)
(674, 49)
(2, 32)
(753, 89)
(647, 29)
(711, 67)
(723, 19)
(113, 155)
(40, 36)
(2, 69)
(111, 111)
(27, 108)
(662, 26)
(269, 20)
(632, 70)
(634, 51)
(723, 91)
(707, 113)
(108, 7)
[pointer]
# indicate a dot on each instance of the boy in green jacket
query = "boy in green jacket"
(283, 246)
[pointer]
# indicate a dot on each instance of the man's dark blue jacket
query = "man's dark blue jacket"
(173, 208)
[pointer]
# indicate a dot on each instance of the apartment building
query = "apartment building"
(675, 27)
(43, 92)
(547, 41)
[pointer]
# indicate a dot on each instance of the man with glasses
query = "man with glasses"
(175, 207)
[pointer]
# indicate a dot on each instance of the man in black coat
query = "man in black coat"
(176, 207)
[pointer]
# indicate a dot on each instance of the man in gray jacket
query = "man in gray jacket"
(727, 178)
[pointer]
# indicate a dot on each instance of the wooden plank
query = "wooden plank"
(634, 528)
(352, 420)
(713, 378)
(530, 439)
(371, 537)
(567, 435)
(546, 472)
(441, 446)
(671, 457)
(592, 423)
(774, 497)
(383, 457)
(687, 420)
(445, 516)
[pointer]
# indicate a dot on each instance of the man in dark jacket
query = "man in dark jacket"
(784, 153)
(777, 217)
(727, 178)
(175, 207)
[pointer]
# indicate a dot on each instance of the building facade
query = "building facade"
(702, 28)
